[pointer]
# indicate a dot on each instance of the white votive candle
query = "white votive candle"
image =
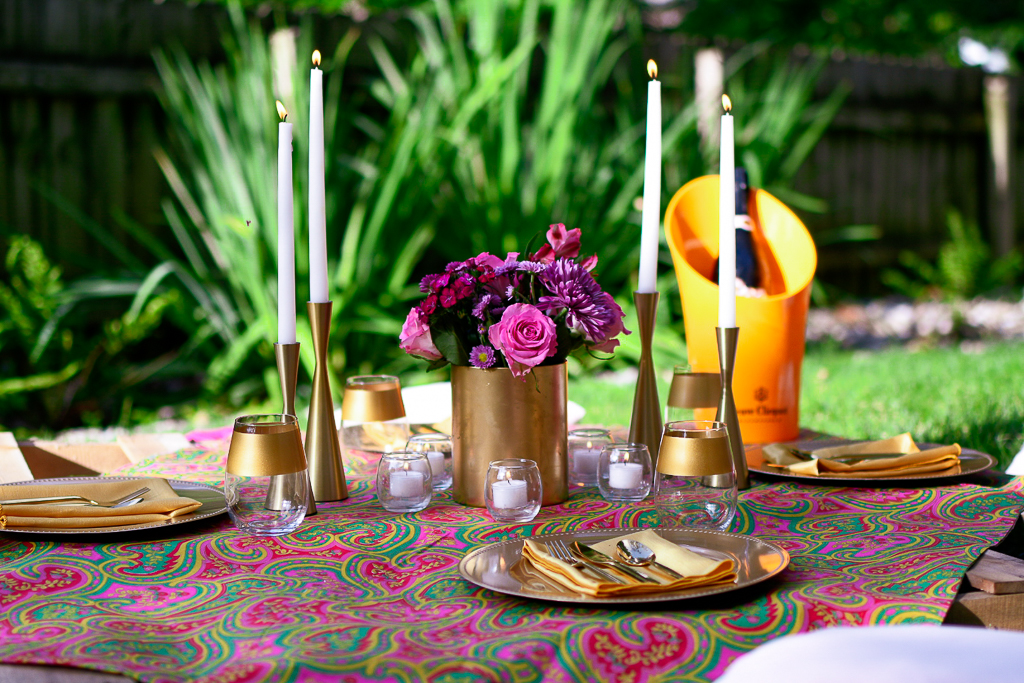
(625, 475)
(406, 484)
(509, 493)
(584, 461)
(436, 459)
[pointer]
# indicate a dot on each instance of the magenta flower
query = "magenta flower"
(415, 338)
(463, 287)
(429, 304)
(562, 243)
(482, 356)
(486, 260)
(448, 297)
(525, 336)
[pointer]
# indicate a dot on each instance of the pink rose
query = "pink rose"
(562, 243)
(415, 338)
(615, 329)
(525, 336)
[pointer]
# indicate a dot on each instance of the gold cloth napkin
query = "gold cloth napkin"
(159, 504)
(825, 462)
(697, 570)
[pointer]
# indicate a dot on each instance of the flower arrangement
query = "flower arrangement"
(491, 312)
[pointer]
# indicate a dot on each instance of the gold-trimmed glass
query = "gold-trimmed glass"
(265, 482)
(373, 414)
(695, 481)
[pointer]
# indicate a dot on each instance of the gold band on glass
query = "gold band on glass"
(694, 457)
(372, 403)
(266, 454)
(695, 390)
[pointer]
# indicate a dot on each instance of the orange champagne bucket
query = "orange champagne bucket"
(766, 384)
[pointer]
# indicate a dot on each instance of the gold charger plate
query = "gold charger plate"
(211, 497)
(498, 566)
(971, 462)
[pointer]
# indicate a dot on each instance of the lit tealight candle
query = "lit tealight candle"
(625, 475)
(406, 484)
(509, 493)
(585, 460)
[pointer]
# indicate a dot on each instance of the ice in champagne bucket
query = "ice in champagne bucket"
(766, 383)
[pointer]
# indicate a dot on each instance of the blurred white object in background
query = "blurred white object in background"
(884, 654)
(429, 404)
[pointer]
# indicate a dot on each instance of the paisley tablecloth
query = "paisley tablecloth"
(359, 594)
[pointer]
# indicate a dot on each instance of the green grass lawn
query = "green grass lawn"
(939, 395)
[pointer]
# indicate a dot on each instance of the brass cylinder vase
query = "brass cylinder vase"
(496, 415)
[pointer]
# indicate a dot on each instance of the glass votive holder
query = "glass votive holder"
(265, 481)
(624, 472)
(438, 449)
(696, 481)
(513, 491)
(585, 446)
(404, 483)
(692, 394)
(373, 414)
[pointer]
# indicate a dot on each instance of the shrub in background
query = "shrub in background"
(71, 352)
(964, 267)
(472, 128)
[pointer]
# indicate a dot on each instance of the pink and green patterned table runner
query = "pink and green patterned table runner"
(360, 594)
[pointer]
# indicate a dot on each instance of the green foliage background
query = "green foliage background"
(465, 127)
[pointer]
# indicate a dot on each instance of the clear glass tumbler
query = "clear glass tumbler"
(404, 482)
(624, 472)
(513, 491)
(265, 482)
(438, 449)
(373, 414)
(585, 446)
(696, 480)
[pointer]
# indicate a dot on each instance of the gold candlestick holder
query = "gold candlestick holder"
(323, 447)
(645, 424)
(727, 341)
(287, 356)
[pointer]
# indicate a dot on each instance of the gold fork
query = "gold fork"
(124, 501)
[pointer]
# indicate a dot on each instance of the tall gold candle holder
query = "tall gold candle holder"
(645, 425)
(287, 356)
(323, 447)
(727, 341)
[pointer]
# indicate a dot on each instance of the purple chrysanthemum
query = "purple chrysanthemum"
(532, 266)
(574, 290)
(482, 356)
(485, 302)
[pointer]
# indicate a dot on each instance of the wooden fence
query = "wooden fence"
(78, 115)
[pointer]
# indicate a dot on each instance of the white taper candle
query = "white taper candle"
(727, 222)
(285, 233)
(317, 192)
(650, 217)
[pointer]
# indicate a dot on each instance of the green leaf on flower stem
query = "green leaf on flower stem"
(449, 344)
(437, 364)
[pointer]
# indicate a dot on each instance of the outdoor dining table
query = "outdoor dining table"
(358, 593)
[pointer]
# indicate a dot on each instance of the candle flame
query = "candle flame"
(652, 68)
(281, 111)
(726, 103)
(316, 57)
